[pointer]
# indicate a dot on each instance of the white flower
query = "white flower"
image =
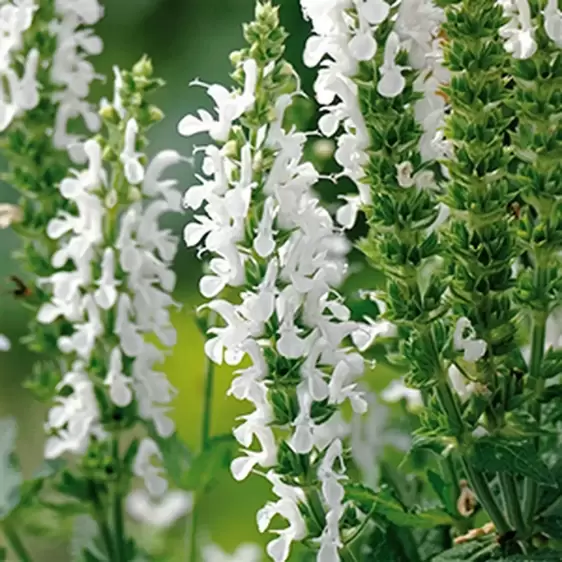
(161, 513)
(119, 384)
(74, 418)
(391, 82)
(5, 343)
(553, 21)
(143, 467)
(397, 391)
(465, 340)
(244, 553)
(134, 170)
(519, 32)
(229, 106)
(287, 507)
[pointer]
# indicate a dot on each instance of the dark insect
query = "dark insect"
(515, 209)
(21, 290)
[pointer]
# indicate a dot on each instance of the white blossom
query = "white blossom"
(519, 31)
(244, 553)
(161, 513)
(5, 343)
(397, 391)
(553, 21)
(143, 467)
(465, 340)
(9, 214)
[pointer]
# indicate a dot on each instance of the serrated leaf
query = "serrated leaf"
(491, 454)
(473, 551)
(383, 503)
(10, 476)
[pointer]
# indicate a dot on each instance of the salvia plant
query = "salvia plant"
(413, 229)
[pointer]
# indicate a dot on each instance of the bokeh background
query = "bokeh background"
(185, 39)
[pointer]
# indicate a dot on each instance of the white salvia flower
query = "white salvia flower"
(229, 107)
(370, 434)
(134, 282)
(5, 343)
(519, 31)
(75, 418)
(72, 72)
(155, 483)
(9, 214)
(161, 513)
(391, 83)
(22, 91)
(553, 21)
(397, 391)
(134, 170)
(465, 340)
(244, 553)
(287, 507)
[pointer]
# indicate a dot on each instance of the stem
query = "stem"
(477, 482)
(118, 518)
(531, 488)
(317, 509)
(513, 507)
(15, 542)
(100, 517)
(205, 439)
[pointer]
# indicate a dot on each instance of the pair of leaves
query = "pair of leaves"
(493, 454)
(384, 503)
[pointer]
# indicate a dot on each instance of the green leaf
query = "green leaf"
(210, 463)
(444, 491)
(500, 455)
(383, 503)
(473, 551)
(541, 556)
(83, 547)
(10, 476)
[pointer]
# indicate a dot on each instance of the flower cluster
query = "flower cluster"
(71, 72)
(345, 37)
(113, 285)
(267, 236)
(22, 87)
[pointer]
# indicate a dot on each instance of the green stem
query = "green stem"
(530, 494)
(205, 441)
(315, 503)
(15, 542)
(100, 517)
(511, 499)
(477, 482)
(118, 516)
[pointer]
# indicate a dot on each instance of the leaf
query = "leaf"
(491, 454)
(473, 551)
(83, 544)
(541, 556)
(443, 490)
(208, 464)
(385, 504)
(10, 476)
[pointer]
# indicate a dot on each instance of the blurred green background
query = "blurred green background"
(185, 39)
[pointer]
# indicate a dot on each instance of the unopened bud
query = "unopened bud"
(155, 114)
(109, 114)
